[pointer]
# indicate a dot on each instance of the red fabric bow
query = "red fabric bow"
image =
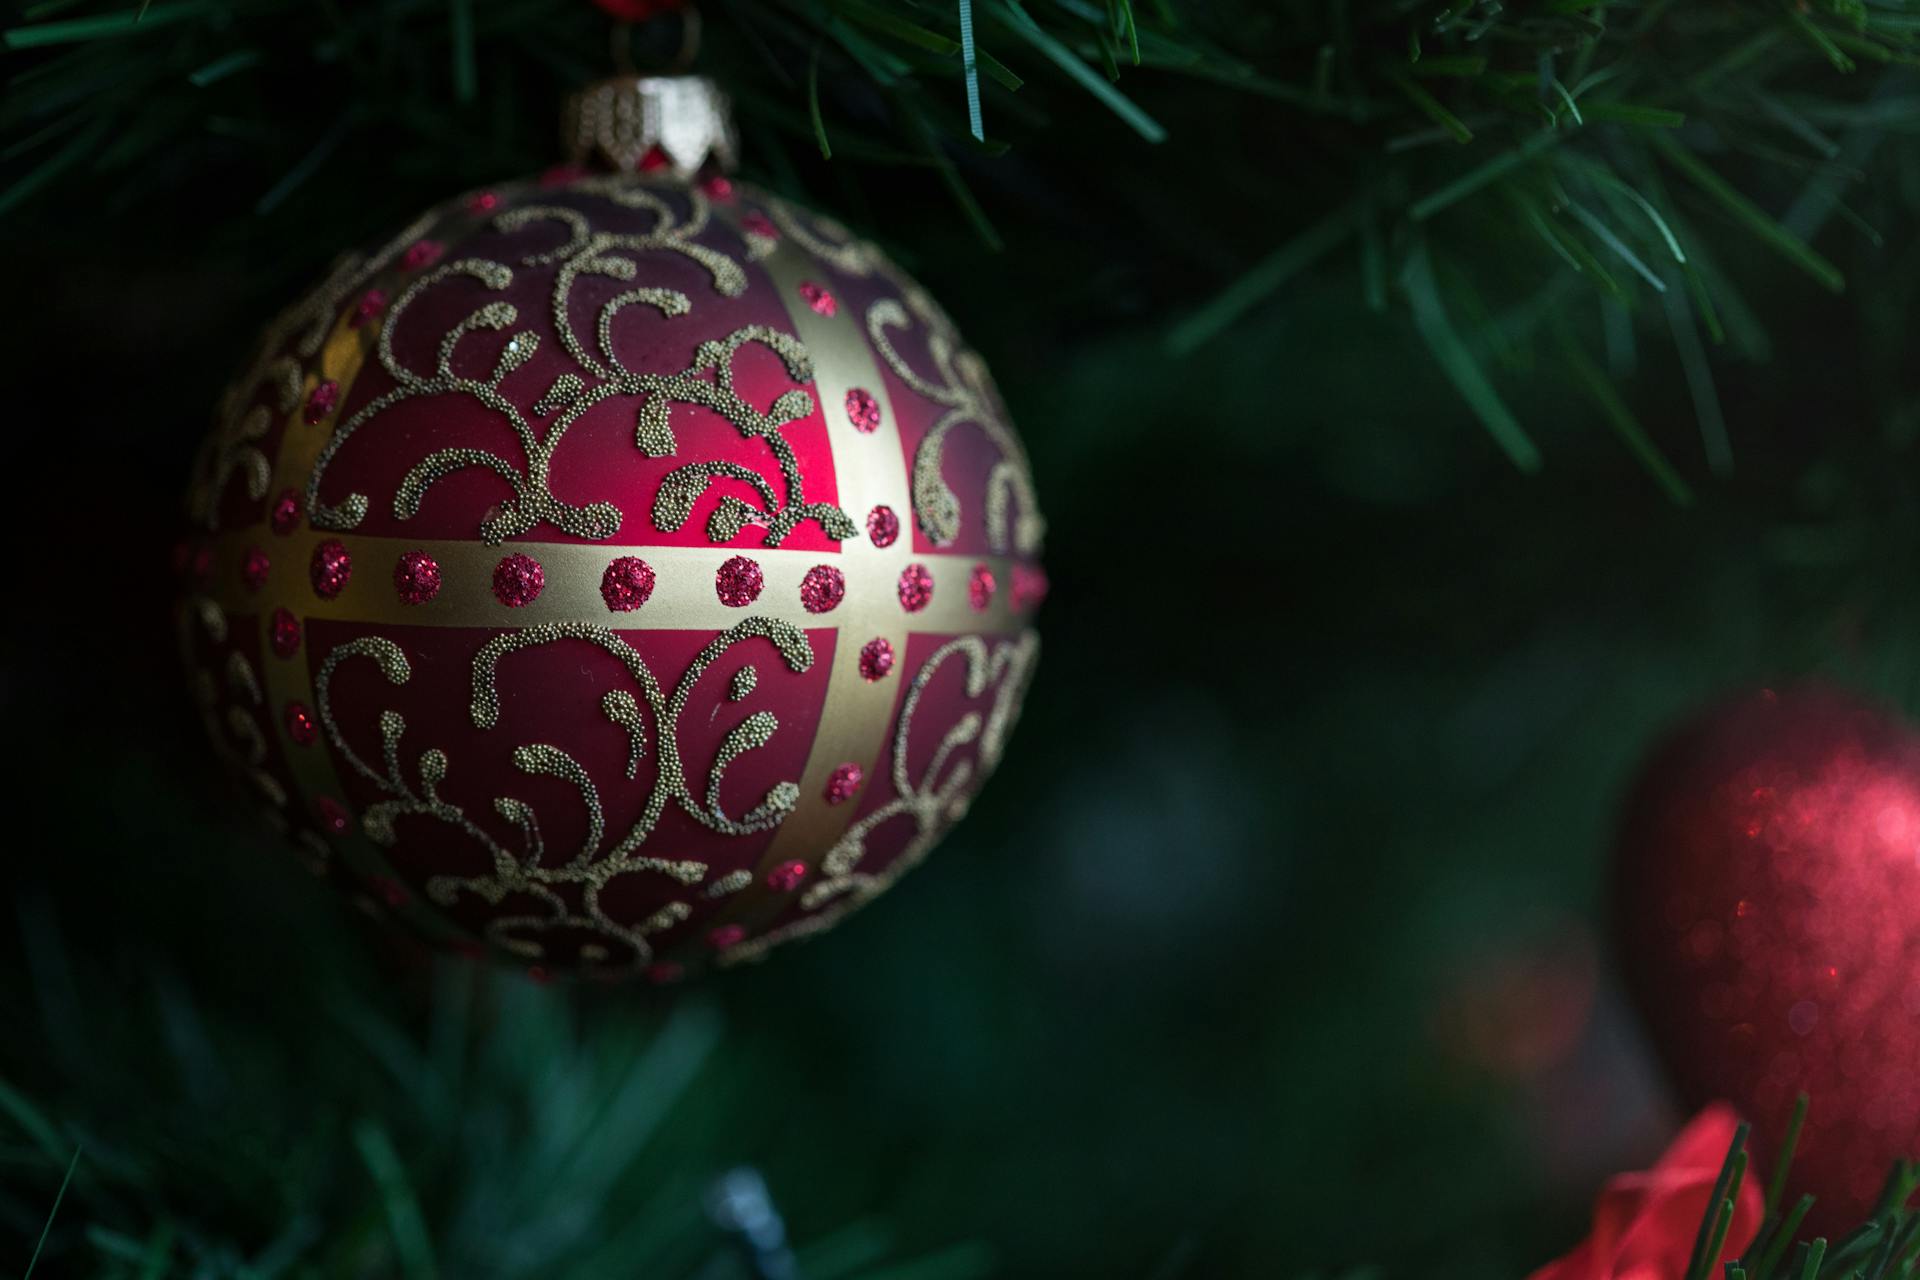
(1644, 1224)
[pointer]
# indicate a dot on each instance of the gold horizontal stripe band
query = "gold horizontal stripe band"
(683, 594)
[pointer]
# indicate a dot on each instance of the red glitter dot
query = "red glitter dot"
(416, 576)
(980, 586)
(876, 658)
(843, 783)
(421, 253)
(563, 175)
(286, 513)
(254, 568)
(654, 160)
(391, 891)
(759, 224)
(818, 299)
(863, 410)
(882, 526)
(371, 304)
(333, 817)
(300, 725)
(727, 935)
(786, 877)
(627, 584)
(321, 400)
(1029, 587)
(822, 590)
(738, 582)
(517, 580)
(283, 633)
(202, 562)
(539, 975)
(916, 588)
(331, 568)
(483, 202)
(717, 187)
(665, 972)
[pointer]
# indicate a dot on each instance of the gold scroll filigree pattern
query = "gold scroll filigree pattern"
(528, 871)
(599, 374)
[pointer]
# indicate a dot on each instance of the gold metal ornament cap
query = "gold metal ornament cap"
(634, 122)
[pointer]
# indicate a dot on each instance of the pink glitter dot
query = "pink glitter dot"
(286, 513)
(1029, 587)
(759, 224)
(717, 187)
(300, 725)
(818, 299)
(202, 562)
(321, 400)
(284, 633)
(416, 576)
(786, 877)
(563, 175)
(627, 584)
(391, 891)
(876, 658)
(331, 568)
(483, 202)
(980, 586)
(843, 783)
(916, 588)
(738, 582)
(254, 568)
(665, 972)
(726, 935)
(517, 580)
(822, 590)
(882, 526)
(863, 410)
(333, 817)
(421, 253)
(371, 304)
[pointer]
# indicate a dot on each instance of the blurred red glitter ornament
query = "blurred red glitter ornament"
(1768, 909)
(639, 10)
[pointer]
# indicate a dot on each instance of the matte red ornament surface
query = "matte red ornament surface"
(1768, 908)
(600, 661)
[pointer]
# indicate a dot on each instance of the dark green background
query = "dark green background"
(1333, 711)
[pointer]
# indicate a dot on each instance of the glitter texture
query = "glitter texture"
(786, 877)
(483, 202)
(300, 724)
(321, 401)
(883, 526)
(330, 569)
(286, 513)
(1769, 926)
(844, 783)
(759, 224)
(726, 935)
(283, 633)
(980, 588)
(822, 590)
(876, 658)
(517, 580)
(421, 253)
(627, 584)
(416, 577)
(254, 568)
(863, 410)
(738, 582)
(818, 300)
(371, 304)
(916, 588)
(717, 187)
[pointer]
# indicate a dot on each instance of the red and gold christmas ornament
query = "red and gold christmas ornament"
(622, 571)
